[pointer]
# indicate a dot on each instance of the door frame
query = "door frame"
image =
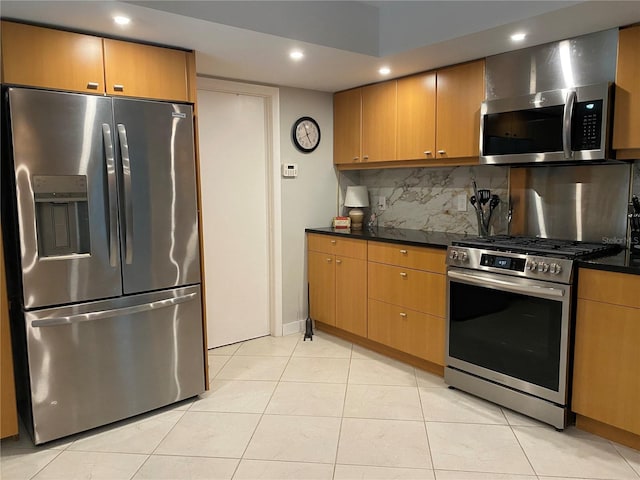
(273, 201)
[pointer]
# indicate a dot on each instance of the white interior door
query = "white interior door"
(233, 165)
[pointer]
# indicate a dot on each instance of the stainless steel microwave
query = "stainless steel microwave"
(566, 125)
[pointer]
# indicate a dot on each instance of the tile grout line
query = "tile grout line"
(264, 410)
(513, 432)
(424, 422)
(344, 402)
(613, 444)
(46, 464)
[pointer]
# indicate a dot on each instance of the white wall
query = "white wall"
(310, 200)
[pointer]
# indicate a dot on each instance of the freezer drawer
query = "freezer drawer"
(95, 363)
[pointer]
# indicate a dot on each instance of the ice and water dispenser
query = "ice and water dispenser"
(62, 215)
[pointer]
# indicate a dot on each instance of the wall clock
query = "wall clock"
(306, 134)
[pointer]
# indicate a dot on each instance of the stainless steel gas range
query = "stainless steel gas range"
(509, 315)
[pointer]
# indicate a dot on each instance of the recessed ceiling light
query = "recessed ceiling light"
(518, 37)
(121, 20)
(384, 71)
(296, 55)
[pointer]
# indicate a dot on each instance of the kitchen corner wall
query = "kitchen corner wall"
(308, 200)
(427, 198)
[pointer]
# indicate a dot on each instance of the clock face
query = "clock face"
(306, 134)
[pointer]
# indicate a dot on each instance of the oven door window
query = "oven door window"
(536, 130)
(510, 333)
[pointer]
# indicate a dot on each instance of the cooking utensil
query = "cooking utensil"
(484, 195)
(636, 203)
(493, 203)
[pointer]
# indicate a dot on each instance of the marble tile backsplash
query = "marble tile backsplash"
(427, 198)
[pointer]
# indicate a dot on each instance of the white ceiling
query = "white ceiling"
(345, 42)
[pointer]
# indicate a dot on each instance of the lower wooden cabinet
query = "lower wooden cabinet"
(407, 330)
(606, 372)
(338, 283)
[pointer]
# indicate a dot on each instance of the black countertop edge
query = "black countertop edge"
(403, 236)
(623, 262)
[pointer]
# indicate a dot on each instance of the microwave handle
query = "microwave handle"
(567, 121)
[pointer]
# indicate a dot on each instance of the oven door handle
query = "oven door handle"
(534, 290)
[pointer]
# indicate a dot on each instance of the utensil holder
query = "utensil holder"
(634, 221)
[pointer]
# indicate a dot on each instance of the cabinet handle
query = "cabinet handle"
(403, 274)
(403, 315)
(93, 85)
(118, 88)
(403, 252)
(366, 157)
(441, 152)
(355, 159)
(333, 242)
(328, 260)
(338, 261)
(427, 152)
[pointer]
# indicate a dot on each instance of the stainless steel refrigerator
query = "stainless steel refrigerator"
(101, 219)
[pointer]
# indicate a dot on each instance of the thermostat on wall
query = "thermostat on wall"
(290, 170)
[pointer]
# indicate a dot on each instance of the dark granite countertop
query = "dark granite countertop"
(405, 236)
(623, 262)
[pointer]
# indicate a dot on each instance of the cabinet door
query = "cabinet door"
(42, 57)
(136, 70)
(459, 93)
(379, 122)
(346, 126)
(351, 295)
(406, 330)
(322, 287)
(606, 373)
(416, 117)
(626, 127)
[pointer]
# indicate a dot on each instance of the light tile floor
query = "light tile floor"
(281, 408)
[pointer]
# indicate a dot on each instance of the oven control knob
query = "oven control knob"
(533, 265)
(453, 255)
(555, 268)
(543, 267)
(463, 256)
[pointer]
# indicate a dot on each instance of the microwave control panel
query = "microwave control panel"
(586, 132)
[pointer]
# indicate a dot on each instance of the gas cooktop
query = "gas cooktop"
(569, 249)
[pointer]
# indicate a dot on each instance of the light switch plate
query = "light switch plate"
(462, 202)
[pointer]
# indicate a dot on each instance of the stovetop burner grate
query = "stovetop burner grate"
(540, 246)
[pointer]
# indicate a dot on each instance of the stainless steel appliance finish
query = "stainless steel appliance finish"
(585, 202)
(567, 125)
(94, 363)
(585, 60)
(42, 149)
(108, 316)
(509, 310)
(159, 196)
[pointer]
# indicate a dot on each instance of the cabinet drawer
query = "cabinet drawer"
(420, 258)
(609, 287)
(413, 289)
(335, 245)
(406, 330)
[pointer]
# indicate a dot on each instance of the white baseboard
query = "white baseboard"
(290, 328)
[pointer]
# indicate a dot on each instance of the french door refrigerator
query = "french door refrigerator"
(101, 210)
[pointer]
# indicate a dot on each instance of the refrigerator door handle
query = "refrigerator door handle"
(128, 206)
(92, 316)
(111, 194)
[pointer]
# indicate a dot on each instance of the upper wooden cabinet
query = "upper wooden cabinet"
(55, 59)
(459, 93)
(347, 111)
(42, 57)
(626, 126)
(416, 114)
(429, 116)
(136, 70)
(379, 122)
